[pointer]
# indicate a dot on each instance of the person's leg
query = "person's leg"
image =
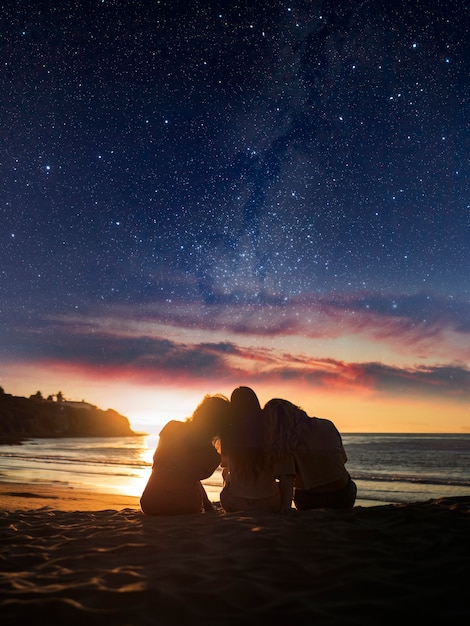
(161, 497)
(231, 503)
(304, 500)
(342, 499)
(350, 494)
(206, 503)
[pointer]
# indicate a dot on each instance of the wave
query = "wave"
(74, 460)
(129, 462)
(412, 480)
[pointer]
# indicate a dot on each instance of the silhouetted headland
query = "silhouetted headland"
(36, 417)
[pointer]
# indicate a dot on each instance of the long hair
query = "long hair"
(285, 424)
(244, 441)
(210, 416)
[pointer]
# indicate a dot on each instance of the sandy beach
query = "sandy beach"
(70, 557)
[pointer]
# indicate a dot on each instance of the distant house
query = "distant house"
(78, 405)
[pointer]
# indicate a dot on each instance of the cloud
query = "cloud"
(379, 379)
(265, 314)
(421, 326)
(421, 310)
(418, 317)
(221, 341)
(148, 359)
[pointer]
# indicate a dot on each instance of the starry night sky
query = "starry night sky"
(217, 191)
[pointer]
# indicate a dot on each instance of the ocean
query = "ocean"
(386, 467)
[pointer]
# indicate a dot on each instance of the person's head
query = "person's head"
(244, 438)
(285, 411)
(284, 425)
(245, 402)
(211, 415)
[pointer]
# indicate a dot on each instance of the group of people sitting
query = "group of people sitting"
(270, 457)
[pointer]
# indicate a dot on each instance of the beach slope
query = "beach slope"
(110, 564)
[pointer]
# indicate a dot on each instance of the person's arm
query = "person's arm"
(343, 451)
(203, 460)
(206, 503)
(286, 488)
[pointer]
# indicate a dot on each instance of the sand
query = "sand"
(81, 558)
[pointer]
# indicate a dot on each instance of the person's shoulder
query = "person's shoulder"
(172, 427)
(322, 422)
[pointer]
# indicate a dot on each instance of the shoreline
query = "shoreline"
(21, 496)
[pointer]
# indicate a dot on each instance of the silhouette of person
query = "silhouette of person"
(252, 479)
(185, 455)
(316, 453)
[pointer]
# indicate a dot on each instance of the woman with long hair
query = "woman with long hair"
(253, 478)
(316, 448)
(185, 455)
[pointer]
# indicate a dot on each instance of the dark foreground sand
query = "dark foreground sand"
(76, 558)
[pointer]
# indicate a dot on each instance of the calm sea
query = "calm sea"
(386, 467)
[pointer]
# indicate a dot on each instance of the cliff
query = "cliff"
(34, 417)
